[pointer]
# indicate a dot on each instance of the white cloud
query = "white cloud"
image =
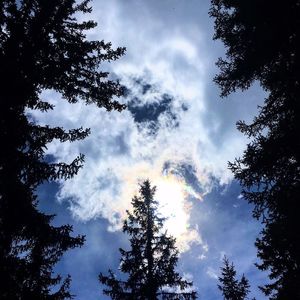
(118, 153)
(212, 273)
(201, 256)
(205, 247)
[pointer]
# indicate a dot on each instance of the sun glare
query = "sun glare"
(171, 196)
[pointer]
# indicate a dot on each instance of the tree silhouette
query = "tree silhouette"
(231, 288)
(259, 47)
(152, 258)
(42, 47)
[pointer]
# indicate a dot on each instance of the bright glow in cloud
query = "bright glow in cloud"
(172, 197)
(120, 152)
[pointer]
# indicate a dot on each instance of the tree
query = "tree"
(42, 47)
(262, 48)
(152, 258)
(231, 288)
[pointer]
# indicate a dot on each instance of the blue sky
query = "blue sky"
(176, 131)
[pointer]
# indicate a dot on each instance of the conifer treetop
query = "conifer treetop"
(151, 261)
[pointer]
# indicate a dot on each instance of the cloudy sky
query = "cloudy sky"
(176, 131)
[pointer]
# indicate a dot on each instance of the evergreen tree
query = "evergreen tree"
(42, 46)
(152, 258)
(231, 288)
(262, 40)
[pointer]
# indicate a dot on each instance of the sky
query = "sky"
(176, 131)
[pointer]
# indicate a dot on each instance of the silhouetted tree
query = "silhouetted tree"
(262, 40)
(42, 46)
(152, 258)
(231, 288)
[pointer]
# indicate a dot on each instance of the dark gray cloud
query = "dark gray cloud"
(148, 113)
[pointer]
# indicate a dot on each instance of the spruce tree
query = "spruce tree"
(232, 288)
(262, 40)
(151, 261)
(42, 47)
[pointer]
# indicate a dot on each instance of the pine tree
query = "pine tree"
(262, 48)
(152, 258)
(42, 47)
(231, 288)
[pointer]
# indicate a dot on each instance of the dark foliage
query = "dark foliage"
(262, 40)
(152, 258)
(231, 288)
(42, 46)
